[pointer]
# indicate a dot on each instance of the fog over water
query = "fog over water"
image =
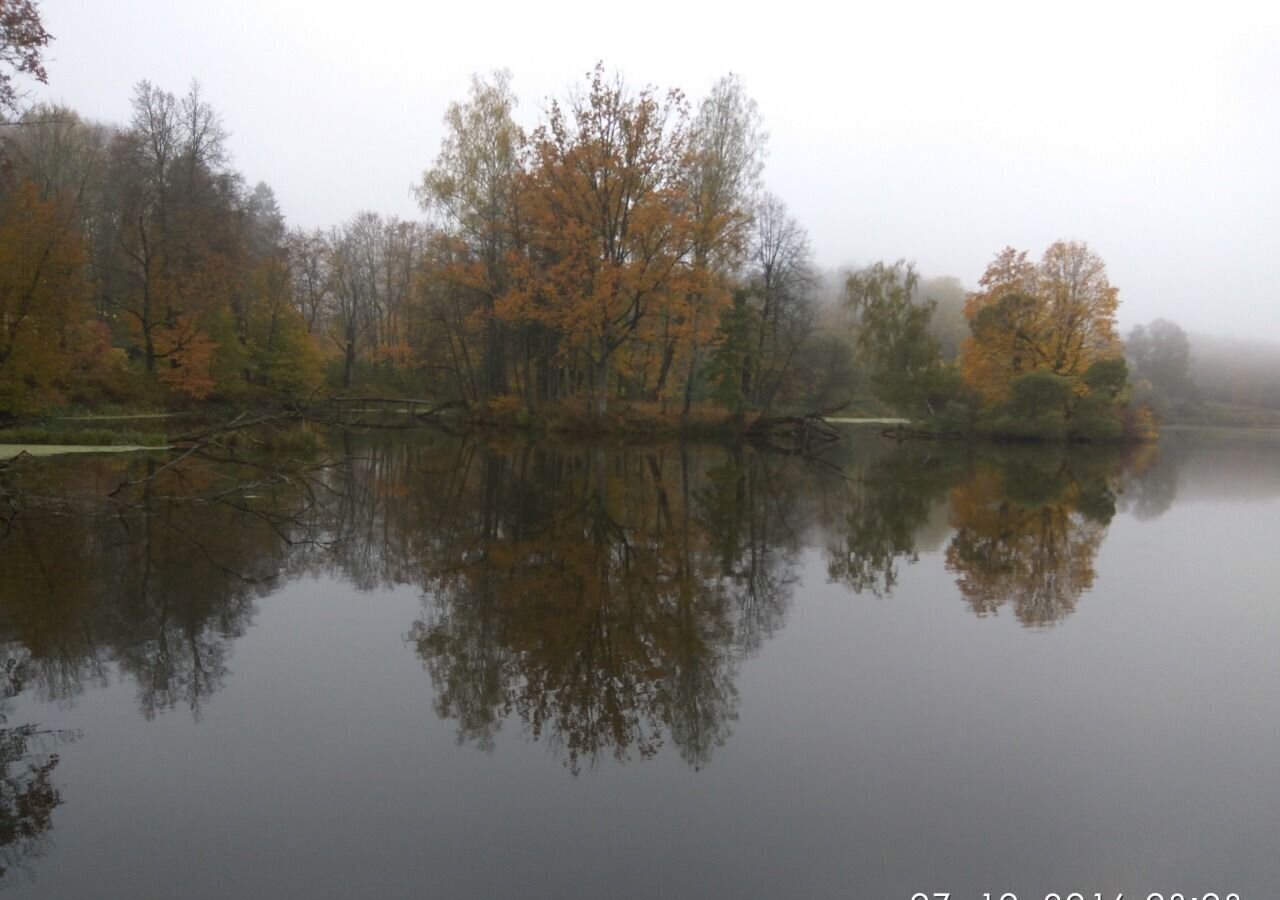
(936, 134)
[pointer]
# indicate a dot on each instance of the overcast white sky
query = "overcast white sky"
(936, 133)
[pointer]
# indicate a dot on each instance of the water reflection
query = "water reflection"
(603, 603)
(882, 510)
(1027, 532)
(28, 796)
(602, 597)
(157, 586)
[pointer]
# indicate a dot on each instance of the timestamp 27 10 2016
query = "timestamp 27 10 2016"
(1077, 895)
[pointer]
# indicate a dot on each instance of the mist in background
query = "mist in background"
(938, 135)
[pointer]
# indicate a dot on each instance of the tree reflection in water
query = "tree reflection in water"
(27, 760)
(1027, 530)
(603, 596)
(886, 502)
(158, 585)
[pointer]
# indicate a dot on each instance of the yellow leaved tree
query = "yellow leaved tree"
(1056, 316)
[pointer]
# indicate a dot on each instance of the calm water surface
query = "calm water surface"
(448, 668)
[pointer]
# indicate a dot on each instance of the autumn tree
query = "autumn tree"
(56, 164)
(174, 243)
(615, 251)
(43, 297)
(69, 160)
(600, 254)
(610, 223)
(1058, 315)
(372, 267)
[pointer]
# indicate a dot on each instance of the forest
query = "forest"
(622, 260)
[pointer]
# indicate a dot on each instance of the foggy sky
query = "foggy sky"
(901, 130)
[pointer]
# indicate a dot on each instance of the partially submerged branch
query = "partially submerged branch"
(793, 434)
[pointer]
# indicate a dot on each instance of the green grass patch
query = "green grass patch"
(81, 437)
(11, 451)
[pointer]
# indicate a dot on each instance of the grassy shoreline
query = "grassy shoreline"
(39, 435)
(117, 427)
(12, 451)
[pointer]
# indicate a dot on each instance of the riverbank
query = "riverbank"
(120, 428)
(12, 451)
(47, 435)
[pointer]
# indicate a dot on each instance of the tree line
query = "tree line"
(625, 252)
(590, 258)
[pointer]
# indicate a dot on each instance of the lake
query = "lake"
(442, 666)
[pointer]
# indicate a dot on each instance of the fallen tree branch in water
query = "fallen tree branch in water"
(406, 407)
(169, 465)
(239, 423)
(792, 434)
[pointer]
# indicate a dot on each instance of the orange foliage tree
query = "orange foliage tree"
(610, 226)
(1058, 315)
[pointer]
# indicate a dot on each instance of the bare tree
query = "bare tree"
(781, 279)
(309, 258)
(353, 288)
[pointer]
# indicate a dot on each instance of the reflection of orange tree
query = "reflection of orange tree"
(1027, 537)
(596, 602)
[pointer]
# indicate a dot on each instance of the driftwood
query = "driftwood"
(412, 415)
(792, 434)
(903, 433)
(328, 412)
(239, 423)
